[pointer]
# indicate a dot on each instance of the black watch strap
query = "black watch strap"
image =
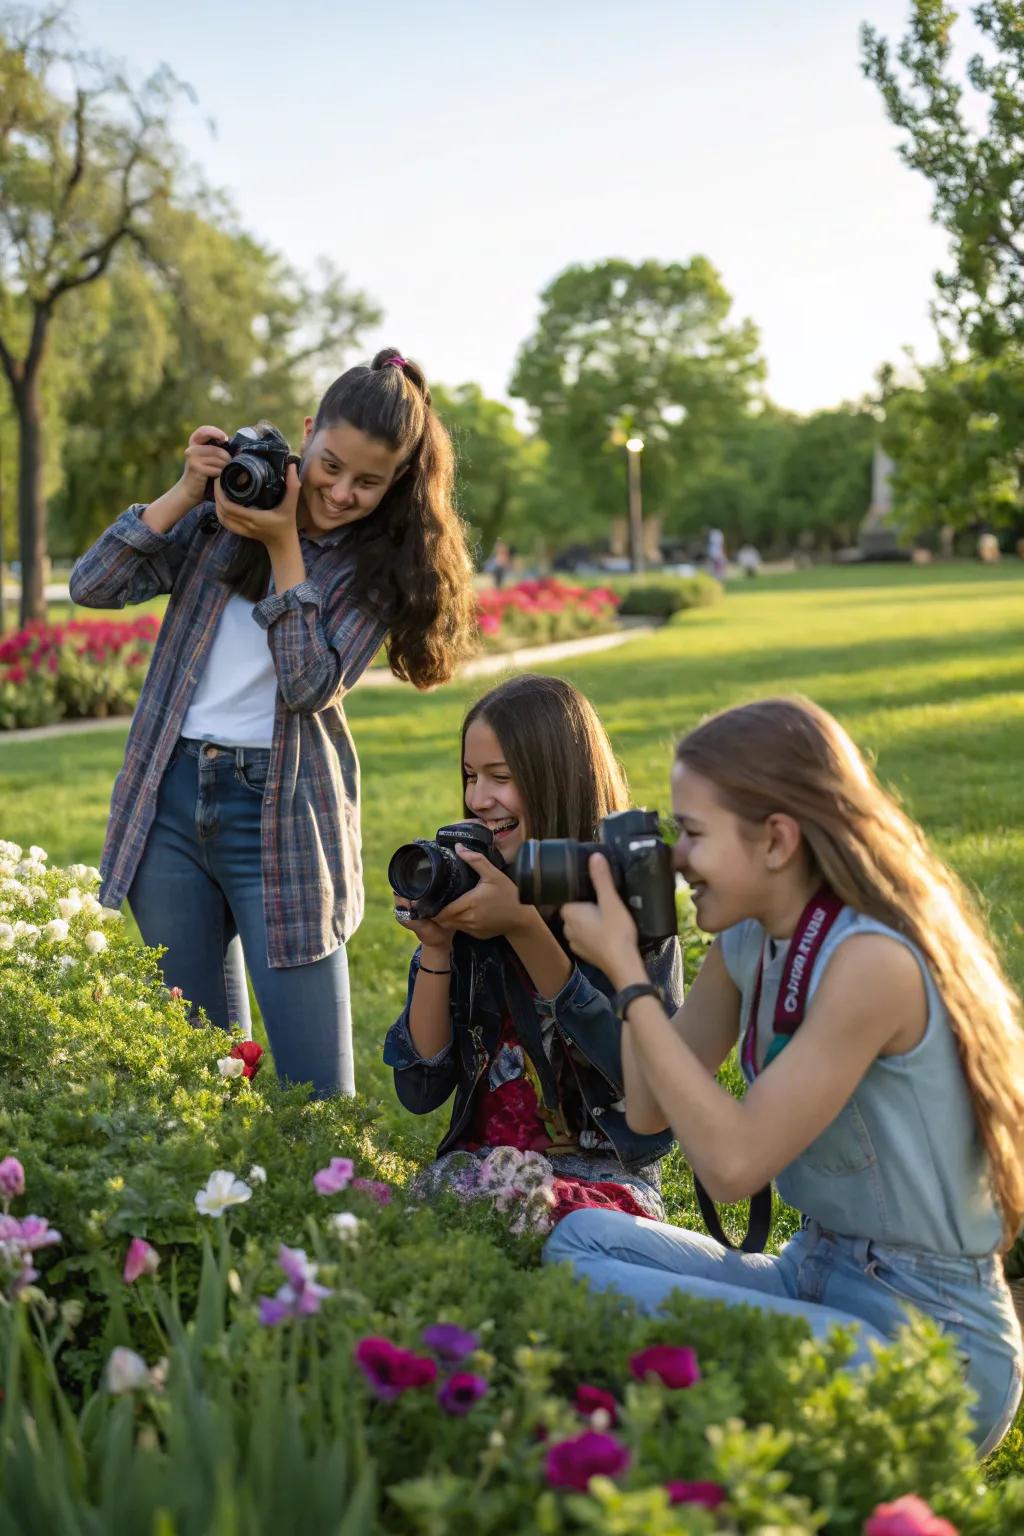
(622, 1000)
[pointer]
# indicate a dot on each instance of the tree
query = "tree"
(977, 175)
(647, 348)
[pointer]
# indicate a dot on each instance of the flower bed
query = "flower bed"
(85, 669)
(539, 612)
(219, 1310)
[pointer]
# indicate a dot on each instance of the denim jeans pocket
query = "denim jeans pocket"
(254, 775)
(908, 1286)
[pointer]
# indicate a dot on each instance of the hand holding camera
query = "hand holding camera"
(456, 882)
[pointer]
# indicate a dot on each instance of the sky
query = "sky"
(452, 156)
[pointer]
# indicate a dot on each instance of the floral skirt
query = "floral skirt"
(566, 1180)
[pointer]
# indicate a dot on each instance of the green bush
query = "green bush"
(660, 597)
(119, 1112)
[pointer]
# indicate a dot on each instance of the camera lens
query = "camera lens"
(244, 479)
(415, 870)
(552, 871)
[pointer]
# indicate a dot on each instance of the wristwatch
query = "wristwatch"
(622, 1000)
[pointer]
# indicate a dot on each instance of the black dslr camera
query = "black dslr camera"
(257, 474)
(429, 873)
(551, 872)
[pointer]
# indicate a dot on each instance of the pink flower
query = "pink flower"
(12, 1178)
(908, 1516)
(391, 1371)
(300, 1296)
(141, 1259)
(36, 1232)
(379, 1192)
(461, 1392)
(676, 1366)
(707, 1495)
(572, 1463)
(249, 1051)
(335, 1177)
(589, 1399)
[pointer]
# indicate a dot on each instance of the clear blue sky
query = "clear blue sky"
(451, 156)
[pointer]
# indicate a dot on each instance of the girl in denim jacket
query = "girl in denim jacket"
(879, 1039)
(498, 1013)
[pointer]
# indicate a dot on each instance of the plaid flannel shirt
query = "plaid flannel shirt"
(321, 643)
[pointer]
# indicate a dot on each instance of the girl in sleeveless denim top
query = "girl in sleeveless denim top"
(889, 1114)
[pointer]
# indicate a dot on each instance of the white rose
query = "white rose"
(257, 1173)
(346, 1226)
(32, 869)
(78, 871)
(56, 931)
(70, 906)
(95, 942)
(230, 1066)
(126, 1371)
(109, 915)
(39, 854)
(9, 850)
(91, 905)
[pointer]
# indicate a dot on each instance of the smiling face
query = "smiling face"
(491, 794)
(721, 858)
(345, 475)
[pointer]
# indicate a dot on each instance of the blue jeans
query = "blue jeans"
(823, 1277)
(198, 893)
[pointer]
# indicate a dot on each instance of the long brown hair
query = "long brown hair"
(789, 755)
(413, 568)
(557, 752)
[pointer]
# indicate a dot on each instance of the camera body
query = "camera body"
(551, 871)
(258, 472)
(429, 874)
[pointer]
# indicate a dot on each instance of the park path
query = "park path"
(381, 677)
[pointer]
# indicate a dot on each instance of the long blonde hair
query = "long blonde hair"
(788, 755)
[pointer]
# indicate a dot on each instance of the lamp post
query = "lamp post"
(634, 448)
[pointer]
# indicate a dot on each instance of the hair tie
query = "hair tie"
(396, 362)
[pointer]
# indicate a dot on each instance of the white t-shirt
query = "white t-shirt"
(237, 691)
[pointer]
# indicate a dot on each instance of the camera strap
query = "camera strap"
(813, 927)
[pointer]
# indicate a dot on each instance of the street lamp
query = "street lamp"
(634, 448)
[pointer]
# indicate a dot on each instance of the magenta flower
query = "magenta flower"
(589, 1399)
(391, 1371)
(12, 1178)
(335, 1177)
(33, 1232)
(462, 1391)
(300, 1296)
(572, 1463)
(141, 1259)
(378, 1192)
(675, 1366)
(908, 1516)
(449, 1342)
(707, 1495)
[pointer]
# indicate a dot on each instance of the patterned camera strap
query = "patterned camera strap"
(812, 929)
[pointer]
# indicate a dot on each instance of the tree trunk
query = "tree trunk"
(31, 506)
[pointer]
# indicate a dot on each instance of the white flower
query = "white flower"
(7, 866)
(32, 869)
(91, 905)
(230, 1066)
(70, 906)
(66, 962)
(35, 893)
(601, 1420)
(15, 887)
(56, 931)
(222, 1189)
(27, 931)
(126, 1371)
(346, 1226)
(6, 936)
(83, 872)
(10, 850)
(95, 942)
(109, 915)
(257, 1173)
(39, 854)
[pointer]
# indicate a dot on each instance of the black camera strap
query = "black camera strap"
(813, 927)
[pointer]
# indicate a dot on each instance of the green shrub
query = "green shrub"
(660, 597)
(119, 1113)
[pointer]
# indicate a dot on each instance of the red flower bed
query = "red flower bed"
(535, 612)
(87, 668)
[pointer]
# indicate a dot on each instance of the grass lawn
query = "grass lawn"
(924, 666)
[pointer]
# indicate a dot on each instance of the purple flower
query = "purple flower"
(461, 1392)
(449, 1342)
(35, 1232)
(707, 1495)
(378, 1192)
(300, 1296)
(572, 1463)
(674, 1366)
(12, 1178)
(391, 1371)
(335, 1177)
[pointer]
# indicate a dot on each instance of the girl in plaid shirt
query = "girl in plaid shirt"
(234, 823)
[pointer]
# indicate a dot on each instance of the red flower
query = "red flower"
(676, 1366)
(707, 1495)
(572, 1463)
(249, 1052)
(589, 1399)
(391, 1371)
(908, 1516)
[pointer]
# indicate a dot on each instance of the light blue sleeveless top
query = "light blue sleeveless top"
(902, 1162)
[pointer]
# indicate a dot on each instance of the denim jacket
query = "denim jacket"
(485, 986)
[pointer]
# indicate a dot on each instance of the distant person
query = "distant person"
(715, 554)
(236, 814)
(748, 558)
(499, 562)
